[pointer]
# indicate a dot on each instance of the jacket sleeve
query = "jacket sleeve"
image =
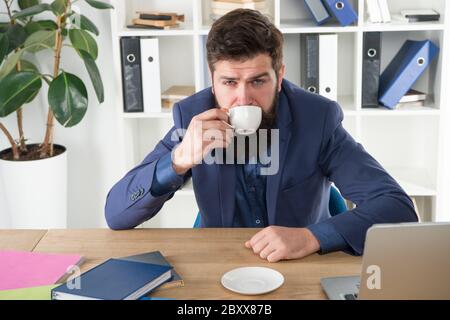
(131, 201)
(361, 179)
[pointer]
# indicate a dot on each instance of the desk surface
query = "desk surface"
(200, 256)
(24, 240)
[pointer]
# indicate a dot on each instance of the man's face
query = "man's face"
(250, 82)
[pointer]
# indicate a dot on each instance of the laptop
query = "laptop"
(401, 261)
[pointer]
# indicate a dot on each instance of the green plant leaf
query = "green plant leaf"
(3, 27)
(26, 65)
(94, 74)
(10, 63)
(16, 35)
(84, 23)
(33, 26)
(68, 99)
(34, 10)
(59, 7)
(23, 4)
(81, 40)
(99, 4)
(16, 89)
(40, 40)
(4, 46)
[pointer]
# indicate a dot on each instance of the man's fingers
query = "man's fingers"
(260, 245)
(267, 251)
(208, 146)
(211, 114)
(215, 134)
(216, 124)
(256, 237)
(275, 256)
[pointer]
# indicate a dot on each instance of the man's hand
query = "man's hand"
(277, 243)
(206, 131)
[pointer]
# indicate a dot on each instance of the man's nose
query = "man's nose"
(244, 96)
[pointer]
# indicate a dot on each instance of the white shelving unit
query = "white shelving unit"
(409, 143)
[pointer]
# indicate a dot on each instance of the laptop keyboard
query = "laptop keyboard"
(351, 296)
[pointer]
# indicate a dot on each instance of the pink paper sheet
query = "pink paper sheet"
(22, 269)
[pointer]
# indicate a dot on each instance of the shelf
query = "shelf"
(309, 26)
(185, 29)
(148, 115)
(415, 181)
(411, 111)
(403, 26)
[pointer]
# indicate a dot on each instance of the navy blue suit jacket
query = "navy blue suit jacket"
(315, 150)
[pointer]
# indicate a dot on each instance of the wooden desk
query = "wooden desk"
(201, 257)
(24, 240)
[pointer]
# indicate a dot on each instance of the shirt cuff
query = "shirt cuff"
(329, 238)
(165, 179)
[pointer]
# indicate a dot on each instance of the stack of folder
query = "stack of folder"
(319, 64)
(408, 65)
(323, 10)
(378, 11)
(141, 74)
(157, 20)
(222, 7)
(128, 278)
(393, 88)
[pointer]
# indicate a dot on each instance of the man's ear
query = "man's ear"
(211, 76)
(281, 76)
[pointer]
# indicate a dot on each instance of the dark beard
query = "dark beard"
(268, 122)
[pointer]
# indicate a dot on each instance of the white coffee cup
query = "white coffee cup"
(245, 119)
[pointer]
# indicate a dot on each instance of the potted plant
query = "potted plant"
(34, 176)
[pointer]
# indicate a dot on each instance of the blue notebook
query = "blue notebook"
(404, 70)
(156, 257)
(115, 280)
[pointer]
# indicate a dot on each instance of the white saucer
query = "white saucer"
(252, 280)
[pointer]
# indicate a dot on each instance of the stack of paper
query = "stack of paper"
(21, 269)
(34, 293)
(175, 94)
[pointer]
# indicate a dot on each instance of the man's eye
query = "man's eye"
(229, 83)
(258, 82)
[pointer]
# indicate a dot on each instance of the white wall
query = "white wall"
(93, 163)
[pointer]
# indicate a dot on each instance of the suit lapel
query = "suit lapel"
(273, 181)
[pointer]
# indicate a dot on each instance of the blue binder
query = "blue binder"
(318, 11)
(404, 70)
(342, 10)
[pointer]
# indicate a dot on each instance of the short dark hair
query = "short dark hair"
(242, 34)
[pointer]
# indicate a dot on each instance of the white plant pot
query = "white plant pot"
(34, 193)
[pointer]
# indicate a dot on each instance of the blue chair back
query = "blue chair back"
(336, 204)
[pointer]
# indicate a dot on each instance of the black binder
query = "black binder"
(371, 69)
(131, 74)
(309, 68)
